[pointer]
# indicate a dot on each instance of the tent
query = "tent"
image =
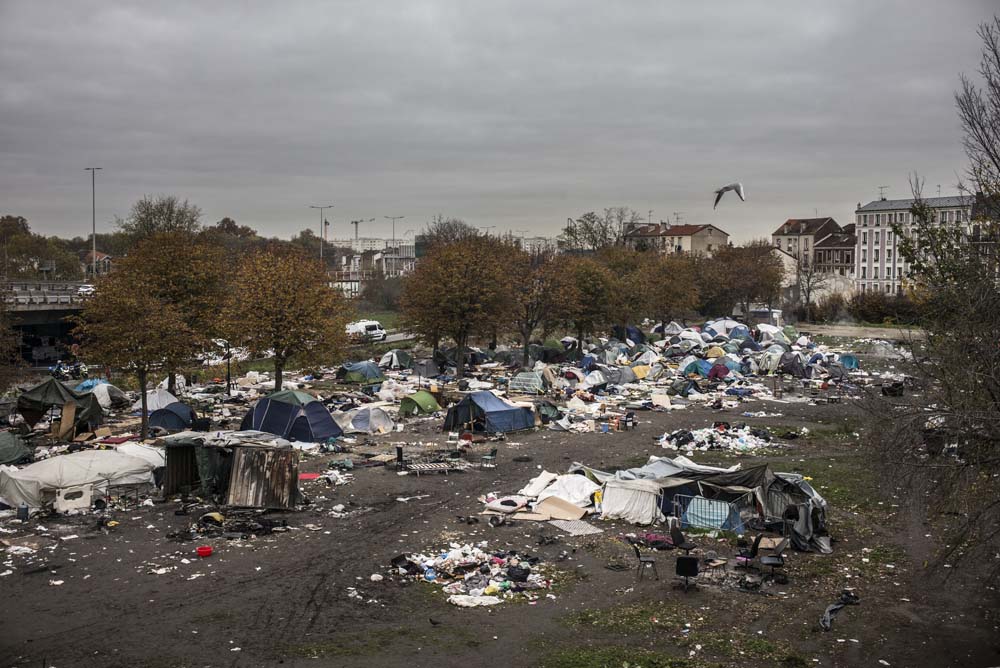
(714, 351)
(849, 362)
(635, 501)
(172, 417)
(420, 402)
(33, 403)
(293, 415)
(37, 484)
(700, 367)
(154, 456)
(488, 413)
(573, 488)
(427, 368)
(109, 396)
(155, 400)
(791, 364)
(396, 359)
(360, 372)
(364, 420)
(13, 449)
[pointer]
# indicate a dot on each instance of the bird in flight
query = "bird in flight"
(735, 187)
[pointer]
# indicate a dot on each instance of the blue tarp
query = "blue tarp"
(310, 422)
(89, 384)
(849, 362)
(489, 413)
(700, 367)
(711, 514)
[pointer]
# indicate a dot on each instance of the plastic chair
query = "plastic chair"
(490, 460)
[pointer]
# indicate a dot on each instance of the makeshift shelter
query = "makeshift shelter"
(488, 413)
(243, 469)
(396, 359)
(293, 415)
(527, 382)
(155, 400)
(13, 450)
(635, 501)
(366, 372)
(81, 412)
(420, 402)
(173, 417)
(427, 368)
(364, 420)
(791, 363)
(574, 488)
(849, 362)
(97, 470)
(109, 396)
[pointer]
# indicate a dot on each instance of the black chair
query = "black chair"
(401, 462)
(745, 558)
(687, 568)
(680, 542)
(644, 562)
(776, 559)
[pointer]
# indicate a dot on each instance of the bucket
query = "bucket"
(604, 427)
(204, 551)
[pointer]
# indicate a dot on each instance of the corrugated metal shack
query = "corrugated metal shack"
(236, 468)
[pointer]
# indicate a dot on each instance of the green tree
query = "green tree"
(164, 213)
(32, 256)
(458, 290)
(282, 304)
(542, 294)
(596, 285)
(125, 325)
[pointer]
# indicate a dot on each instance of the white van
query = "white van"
(366, 330)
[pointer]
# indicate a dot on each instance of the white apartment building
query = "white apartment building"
(536, 245)
(879, 266)
(361, 244)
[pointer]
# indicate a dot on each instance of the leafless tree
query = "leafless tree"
(808, 281)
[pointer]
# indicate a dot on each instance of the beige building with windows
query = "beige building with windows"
(666, 238)
(879, 266)
(798, 236)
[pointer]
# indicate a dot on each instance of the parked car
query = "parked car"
(366, 330)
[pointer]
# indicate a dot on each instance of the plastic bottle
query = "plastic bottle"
(23, 512)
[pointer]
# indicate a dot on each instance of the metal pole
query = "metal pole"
(395, 254)
(93, 218)
(321, 230)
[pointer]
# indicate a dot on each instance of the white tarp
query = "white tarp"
(107, 394)
(155, 399)
(635, 501)
(538, 483)
(364, 420)
(576, 489)
(154, 456)
(37, 483)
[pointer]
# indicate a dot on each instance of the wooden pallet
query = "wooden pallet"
(440, 467)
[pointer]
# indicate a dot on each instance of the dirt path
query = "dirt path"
(305, 598)
(860, 332)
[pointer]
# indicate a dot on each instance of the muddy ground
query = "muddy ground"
(285, 599)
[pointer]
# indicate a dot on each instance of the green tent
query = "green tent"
(13, 450)
(33, 404)
(419, 402)
(293, 397)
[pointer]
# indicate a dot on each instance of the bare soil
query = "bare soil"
(284, 599)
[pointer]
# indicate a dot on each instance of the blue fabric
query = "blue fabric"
(89, 384)
(700, 367)
(368, 369)
(849, 362)
(588, 362)
(310, 423)
(498, 415)
(739, 391)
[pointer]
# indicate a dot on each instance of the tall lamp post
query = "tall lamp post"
(322, 236)
(93, 217)
(395, 253)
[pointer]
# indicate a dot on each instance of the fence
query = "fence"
(703, 513)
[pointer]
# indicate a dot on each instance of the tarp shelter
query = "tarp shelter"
(849, 362)
(527, 382)
(155, 400)
(293, 415)
(364, 420)
(396, 359)
(34, 403)
(173, 417)
(488, 413)
(37, 484)
(699, 367)
(635, 501)
(109, 396)
(427, 368)
(360, 372)
(13, 449)
(420, 402)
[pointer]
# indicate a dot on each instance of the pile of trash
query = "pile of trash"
(473, 576)
(720, 436)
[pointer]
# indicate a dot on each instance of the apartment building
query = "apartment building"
(666, 238)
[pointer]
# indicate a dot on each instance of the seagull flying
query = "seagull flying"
(735, 187)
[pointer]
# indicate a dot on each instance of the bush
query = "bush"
(831, 308)
(876, 307)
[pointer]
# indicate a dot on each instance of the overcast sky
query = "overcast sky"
(508, 114)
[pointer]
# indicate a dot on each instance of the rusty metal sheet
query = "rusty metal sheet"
(263, 478)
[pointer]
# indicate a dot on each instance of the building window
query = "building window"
(847, 258)
(888, 237)
(878, 237)
(864, 272)
(888, 255)
(875, 255)
(864, 255)
(864, 238)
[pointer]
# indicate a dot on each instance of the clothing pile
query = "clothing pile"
(720, 436)
(473, 576)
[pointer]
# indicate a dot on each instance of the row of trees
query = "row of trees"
(181, 287)
(484, 287)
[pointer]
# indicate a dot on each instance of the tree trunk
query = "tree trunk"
(279, 367)
(145, 414)
(525, 338)
(172, 383)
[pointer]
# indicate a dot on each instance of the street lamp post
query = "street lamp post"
(395, 253)
(93, 217)
(322, 236)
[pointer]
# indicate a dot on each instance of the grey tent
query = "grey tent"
(396, 359)
(364, 420)
(427, 368)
